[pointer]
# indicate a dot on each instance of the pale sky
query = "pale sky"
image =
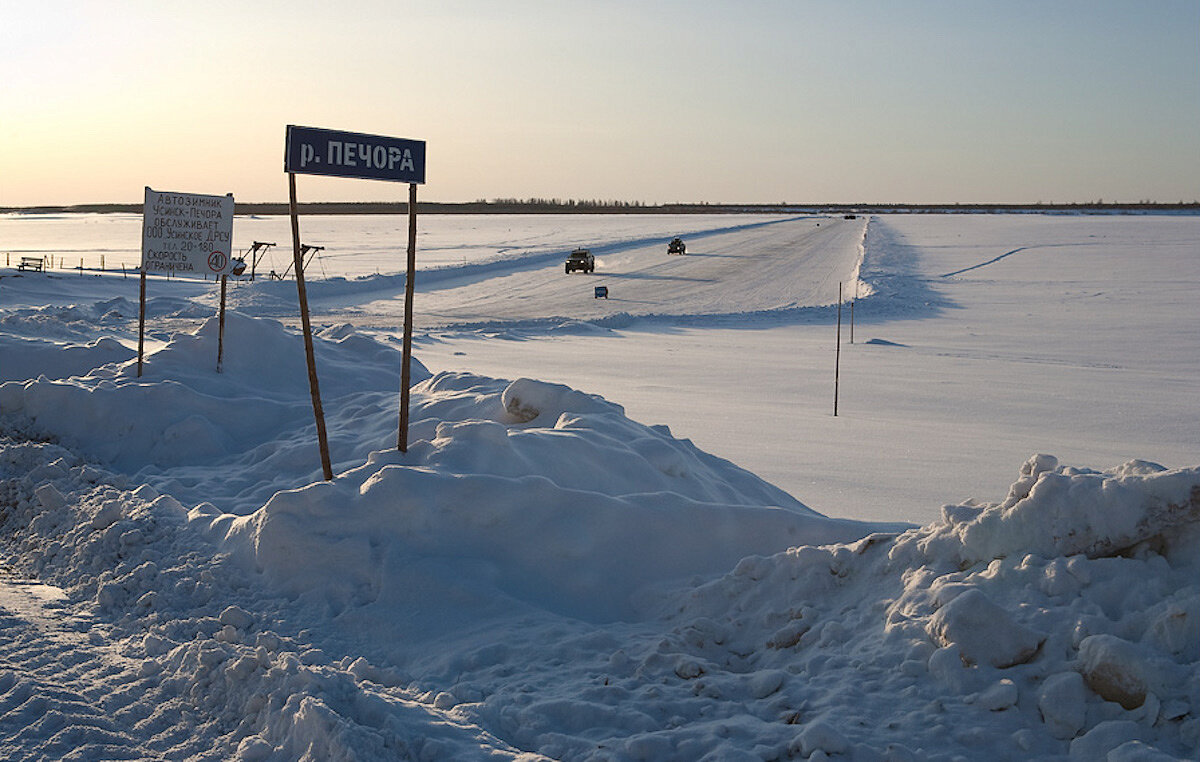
(765, 101)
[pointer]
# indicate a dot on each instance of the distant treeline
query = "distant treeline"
(572, 206)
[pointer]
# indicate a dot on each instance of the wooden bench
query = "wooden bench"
(32, 263)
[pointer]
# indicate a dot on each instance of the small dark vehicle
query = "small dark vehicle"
(676, 246)
(582, 260)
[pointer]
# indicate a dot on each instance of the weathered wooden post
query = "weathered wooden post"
(221, 326)
(141, 321)
(406, 353)
(315, 151)
(302, 295)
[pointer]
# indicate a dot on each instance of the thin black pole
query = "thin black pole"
(221, 326)
(837, 365)
(313, 386)
(406, 358)
(141, 322)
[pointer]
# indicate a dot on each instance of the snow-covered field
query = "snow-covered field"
(601, 543)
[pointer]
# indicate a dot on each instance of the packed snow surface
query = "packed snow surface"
(544, 576)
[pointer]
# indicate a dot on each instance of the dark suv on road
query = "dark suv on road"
(582, 260)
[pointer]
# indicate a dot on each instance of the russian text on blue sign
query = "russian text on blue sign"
(315, 151)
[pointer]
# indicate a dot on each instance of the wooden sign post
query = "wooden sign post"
(315, 151)
(406, 352)
(221, 327)
(302, 295)
(141, 321)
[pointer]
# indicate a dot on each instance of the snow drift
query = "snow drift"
(895, 646)
(576, 515)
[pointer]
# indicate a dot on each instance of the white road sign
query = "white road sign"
(187, 233)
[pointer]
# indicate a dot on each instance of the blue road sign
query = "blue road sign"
(314, 151)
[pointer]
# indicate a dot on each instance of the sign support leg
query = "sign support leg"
(837, 363)
(221, 326)
(318, 413)
(406, 359)
(141, 322)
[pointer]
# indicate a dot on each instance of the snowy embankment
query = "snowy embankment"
(538, 577)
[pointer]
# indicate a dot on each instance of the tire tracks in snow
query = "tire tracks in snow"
(1007, 254)
(56, 676)
(153, 660)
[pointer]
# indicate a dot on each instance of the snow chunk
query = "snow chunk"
(1000, 696)
(985, 632)
(50, 498)
(166, 505)
(1098, 742)
(1136, 751)
(1063, 704)
(1115, 669)
(1176, 629)
(254, 749)
(819, 736)
(236, 617)
(108, 515)
(526, 400)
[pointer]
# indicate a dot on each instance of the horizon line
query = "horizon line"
(596, 205)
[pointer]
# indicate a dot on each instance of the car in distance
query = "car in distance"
(676, 246)
(582, 260)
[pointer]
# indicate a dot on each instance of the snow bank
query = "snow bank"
(889, 647)
(1052, 511)
(182, 413)
(31, 358)
(547, 493)
(59, 342)
(1062, 621)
